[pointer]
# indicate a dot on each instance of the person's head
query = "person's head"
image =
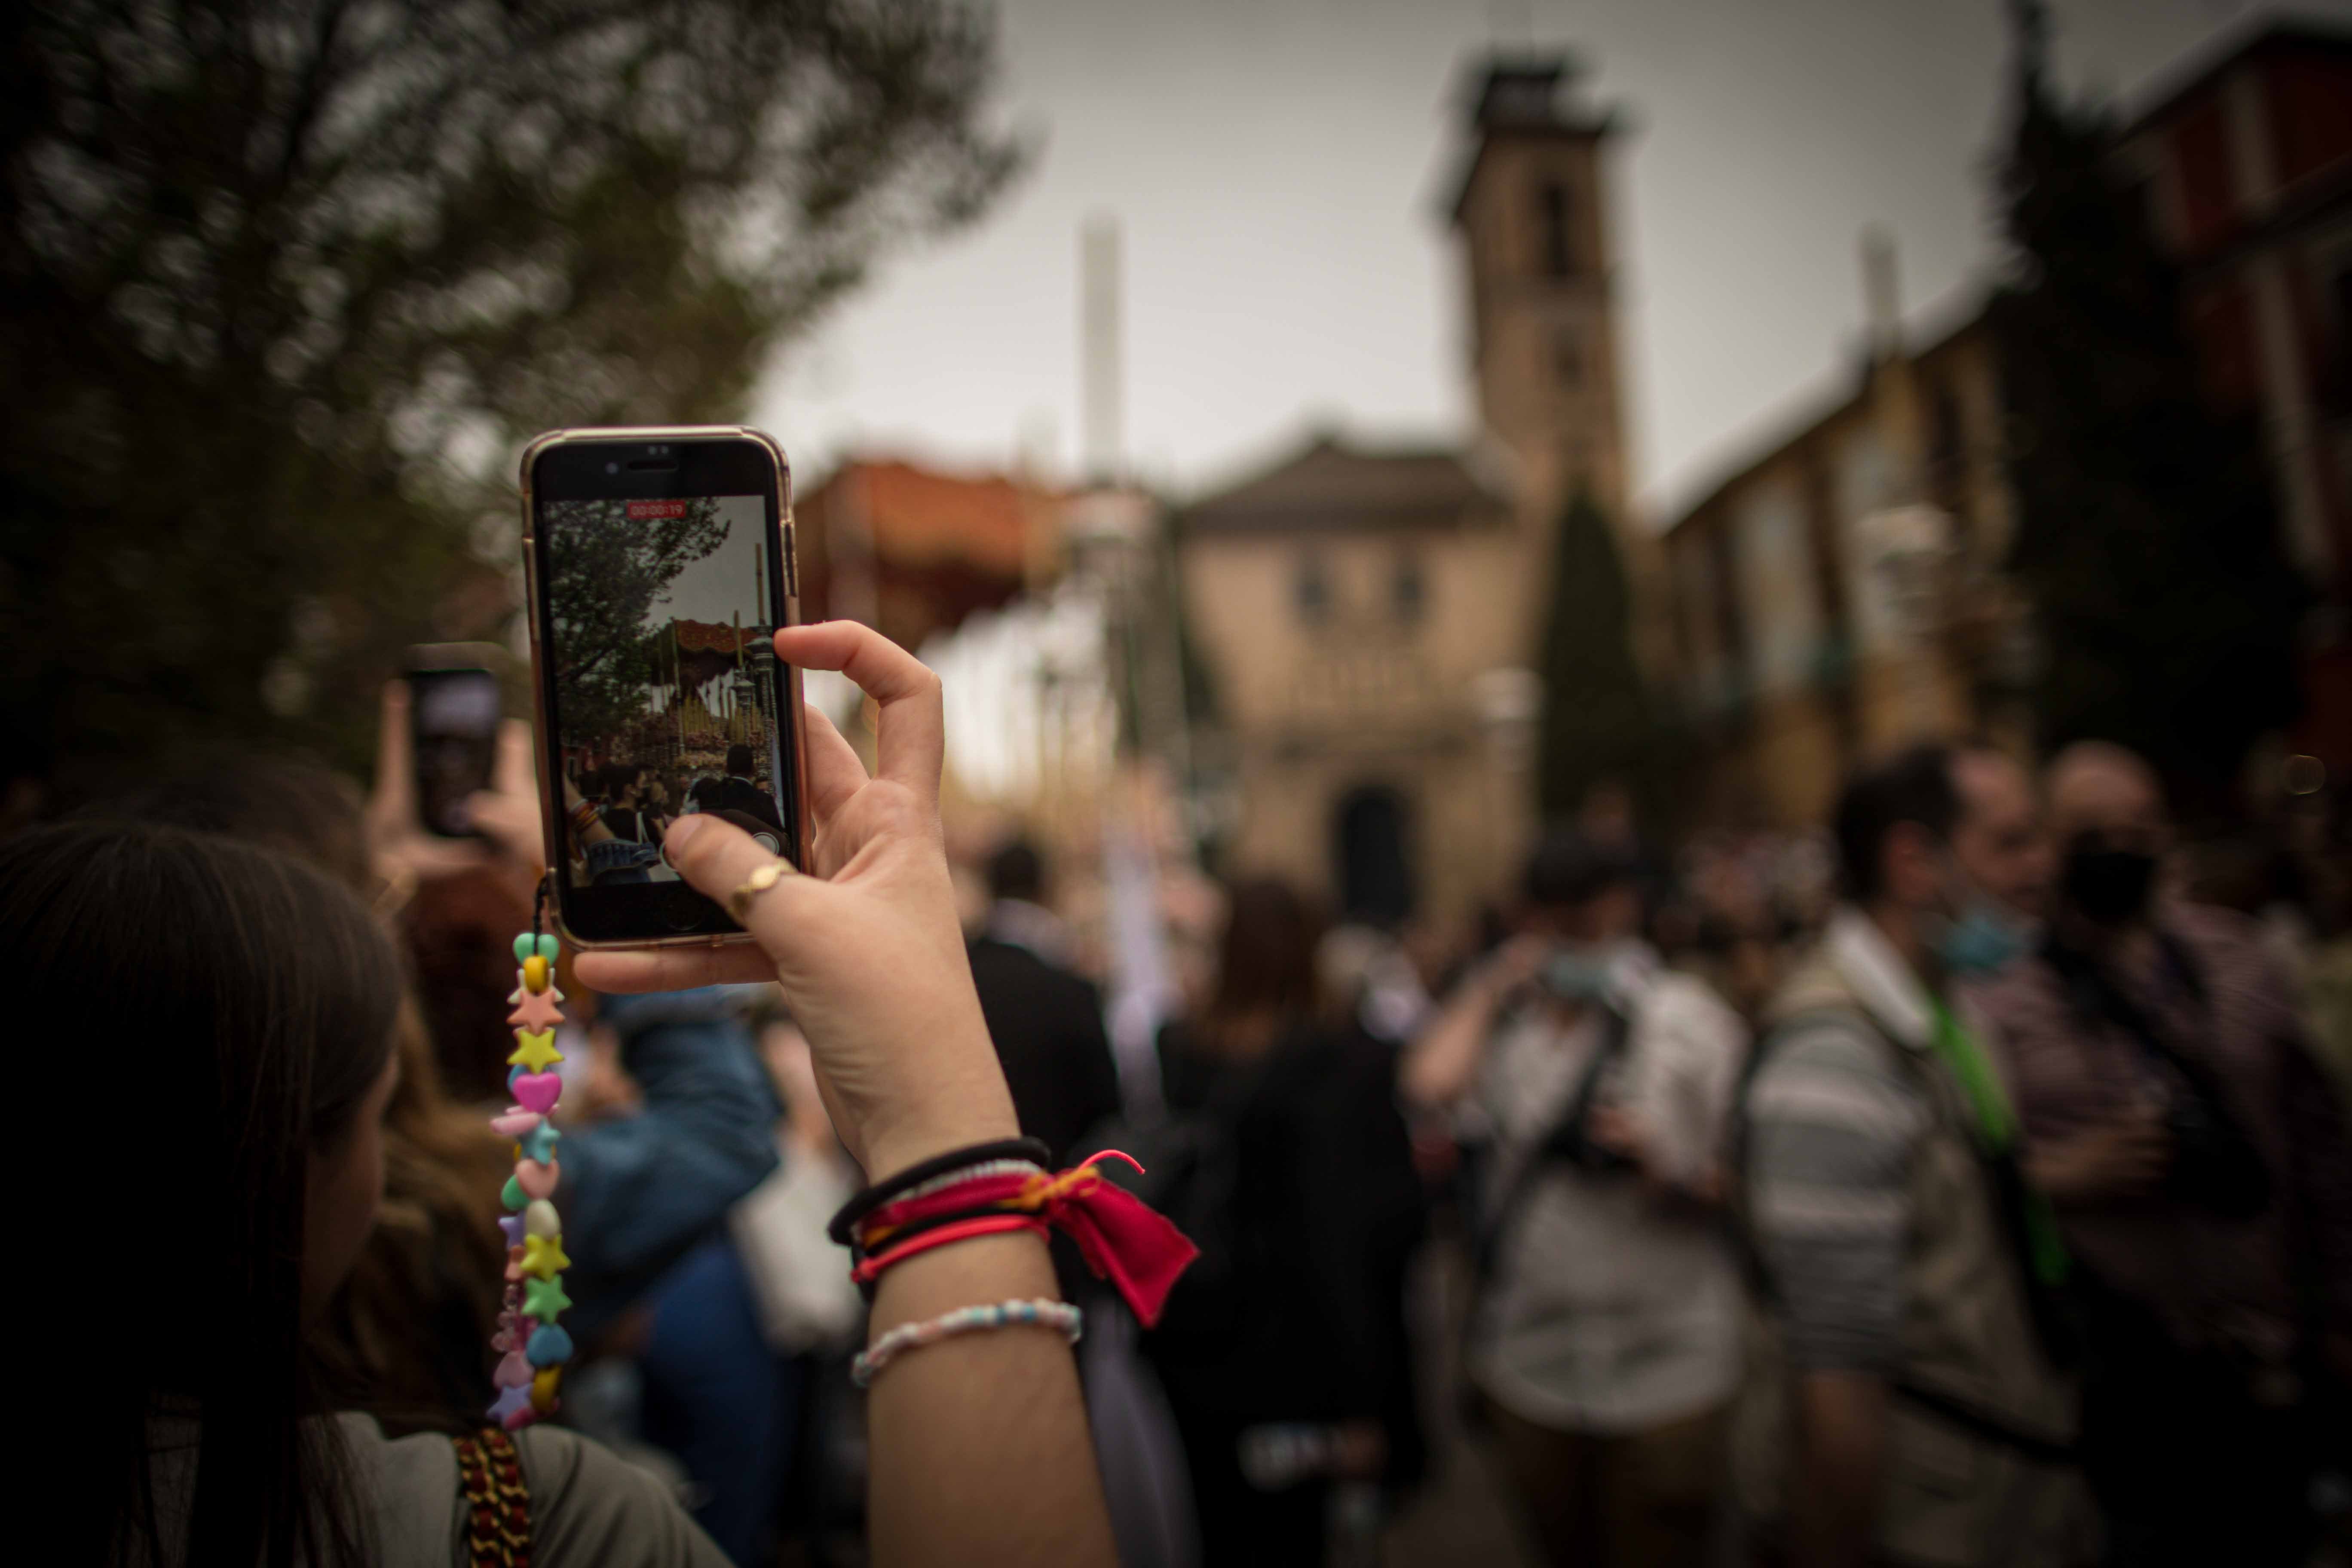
(1606, 814)
(1894, 827)
(2107, 814)
(621, 782)
(1578, 890)
(1265, 960)
(738, 761)
(1016, 871)
(1998, 841)
(222, 1017)
(308, 811)
(657, 792)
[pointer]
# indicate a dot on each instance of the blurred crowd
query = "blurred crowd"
(1965, 1181)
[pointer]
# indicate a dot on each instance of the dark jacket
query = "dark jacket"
(639, 1192)
(1049, 1029)
(1330, 1208)
(731, 793)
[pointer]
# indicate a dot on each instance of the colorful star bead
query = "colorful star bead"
(543, 1255)
(535, 1049)
(511, 1402)
(542, 1390)
(536, 1009)
(544, 1298)
(511, 1224)
(539, 1143)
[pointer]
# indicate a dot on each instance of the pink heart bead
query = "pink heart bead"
(513, 1371)
(515, 1122)
(538, 1091)
(537, 1180)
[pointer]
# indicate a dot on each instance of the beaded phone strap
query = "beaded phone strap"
(534, 1346)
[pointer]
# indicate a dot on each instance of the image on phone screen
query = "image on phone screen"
(662, 681)
(454, 720)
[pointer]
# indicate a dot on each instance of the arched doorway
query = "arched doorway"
(1375, 875)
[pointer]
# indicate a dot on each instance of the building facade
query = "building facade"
(1367, 617)
(1841, 591)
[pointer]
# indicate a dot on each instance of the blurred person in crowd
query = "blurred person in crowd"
(623, 791)
(1726, 930)
(2198, 1161)
(809, 1311)
(1905, 1399)
(2001, 847)
(1604, 1334)
(735, 791)
(1046, 1021)
(1277, 1348)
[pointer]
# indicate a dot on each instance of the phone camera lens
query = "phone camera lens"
(611, 468)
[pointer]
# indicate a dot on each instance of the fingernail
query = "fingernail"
(684, 828)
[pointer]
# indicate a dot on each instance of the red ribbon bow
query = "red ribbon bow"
(1122, 1238)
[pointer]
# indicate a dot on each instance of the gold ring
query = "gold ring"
(739, 903)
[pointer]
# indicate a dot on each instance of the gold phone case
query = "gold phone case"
(789, 616)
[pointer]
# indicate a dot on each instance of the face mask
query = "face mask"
(2109, 887)
(1576, 973)
(1983, 938)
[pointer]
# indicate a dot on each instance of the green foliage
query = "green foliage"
(2147, 542)
(603, 575)
(284, 282)
(1598, 722)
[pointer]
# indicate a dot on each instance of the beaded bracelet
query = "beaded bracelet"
(964, 1320)
(534, 1346)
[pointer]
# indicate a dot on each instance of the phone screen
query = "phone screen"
(453, 727)
(663, 693)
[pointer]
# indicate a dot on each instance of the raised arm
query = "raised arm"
(1443, 1057)
(980, 1451)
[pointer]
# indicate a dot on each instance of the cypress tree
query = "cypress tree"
(2147, 542)
(1597, 717)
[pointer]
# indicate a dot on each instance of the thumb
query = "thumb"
(717, 858)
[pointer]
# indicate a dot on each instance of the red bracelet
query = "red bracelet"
(871, 1269)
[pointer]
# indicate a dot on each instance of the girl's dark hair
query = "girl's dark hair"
(1267, 962)
(214, 1011)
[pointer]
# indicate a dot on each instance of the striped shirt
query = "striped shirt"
(1832, 1122)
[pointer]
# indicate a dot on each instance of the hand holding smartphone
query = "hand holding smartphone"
(659, 567)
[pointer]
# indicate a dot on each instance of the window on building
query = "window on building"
(1310, 588)
(1408, 589)
(1552, 212)
(1568, 358)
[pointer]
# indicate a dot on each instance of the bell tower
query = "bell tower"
(1532, 208)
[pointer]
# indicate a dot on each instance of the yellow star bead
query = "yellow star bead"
(534, 1050)
(543, 1255)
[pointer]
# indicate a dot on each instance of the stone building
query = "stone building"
(1840, 590)
(1368, 616)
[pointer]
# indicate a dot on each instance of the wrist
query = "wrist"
(895, 1145)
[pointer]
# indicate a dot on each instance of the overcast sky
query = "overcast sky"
(1277, 168)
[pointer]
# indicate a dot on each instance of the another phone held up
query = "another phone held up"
(453, 708)
(659, 564)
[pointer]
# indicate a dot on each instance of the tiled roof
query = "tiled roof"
(1334, 487)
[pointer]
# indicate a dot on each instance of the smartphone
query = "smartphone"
(453, 708)
(659, 564)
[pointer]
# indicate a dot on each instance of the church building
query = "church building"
(1369, 616)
